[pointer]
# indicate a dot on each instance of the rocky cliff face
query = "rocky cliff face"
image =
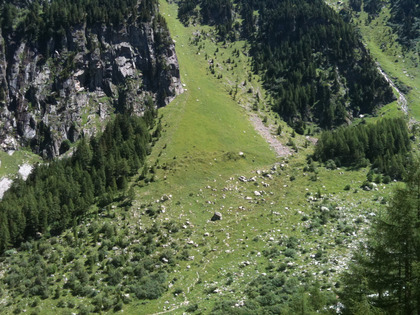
(46, 98)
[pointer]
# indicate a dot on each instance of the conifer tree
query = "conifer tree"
(387, 271)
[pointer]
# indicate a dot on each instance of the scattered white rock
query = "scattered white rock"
(5, 184)
(242, 179)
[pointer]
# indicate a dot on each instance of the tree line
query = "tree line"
(385, 144)
(40, 20)
(371, 6)
(219, 13)
(59, 193)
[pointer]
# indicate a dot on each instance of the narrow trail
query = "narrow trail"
(265, 132)
(172, 309)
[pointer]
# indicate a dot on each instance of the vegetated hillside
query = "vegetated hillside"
(65, 67)
(146, 246)
(77, 192)
(59, 194)
(388, 260)
(404, 19)
(312, 62)
(392, 32)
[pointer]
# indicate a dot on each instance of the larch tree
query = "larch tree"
(387, 268)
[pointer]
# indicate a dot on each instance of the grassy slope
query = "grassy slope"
(202, 181)
(204, 126)
(205, 119)
(204, 132)
(10, 163)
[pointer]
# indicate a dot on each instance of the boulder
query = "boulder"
(216, 216)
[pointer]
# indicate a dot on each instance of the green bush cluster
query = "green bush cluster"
(385, 144)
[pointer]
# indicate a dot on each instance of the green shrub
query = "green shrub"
(386, 179)
(290, 252)
(330, 164)
(178, 291)
(192, 308)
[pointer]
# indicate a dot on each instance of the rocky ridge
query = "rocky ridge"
(47, 98)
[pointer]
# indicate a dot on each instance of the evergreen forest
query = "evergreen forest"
(385, 145)
(58, 194)
(46, 23)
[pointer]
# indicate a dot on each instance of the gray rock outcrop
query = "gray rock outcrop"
(63, 93)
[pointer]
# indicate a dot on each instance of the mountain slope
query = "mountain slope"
(65, 68)
(311, 61)
(397, 57)
(287, 223)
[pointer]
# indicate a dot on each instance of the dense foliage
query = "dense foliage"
(45, 18)
(385, 273)
(370, 6)
(405, 17)
(40, 21)
(385, 144)
(213, 12)
(311, 61)
(58, 193)
(314, 65)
